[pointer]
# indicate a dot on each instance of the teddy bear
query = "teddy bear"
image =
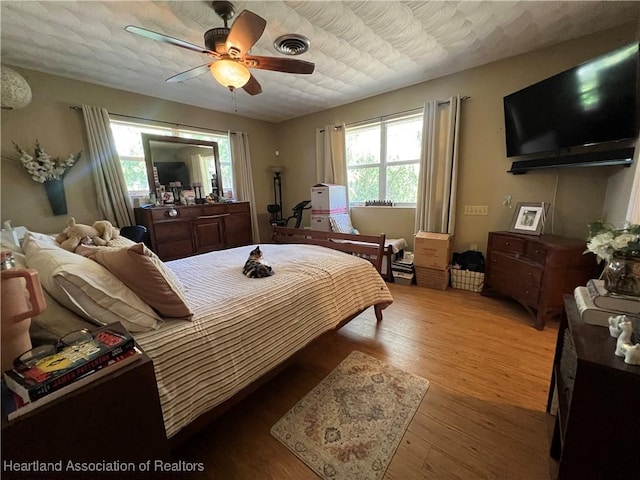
(74, 234)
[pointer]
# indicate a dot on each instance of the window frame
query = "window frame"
(383, 164)
(176, 131)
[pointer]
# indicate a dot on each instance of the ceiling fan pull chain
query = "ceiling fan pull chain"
(235, 100)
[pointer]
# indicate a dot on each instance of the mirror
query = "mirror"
(182, 170)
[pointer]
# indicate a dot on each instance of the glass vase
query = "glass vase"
(622, 275)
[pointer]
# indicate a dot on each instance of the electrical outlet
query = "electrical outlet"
(474, 247)
(476, 209)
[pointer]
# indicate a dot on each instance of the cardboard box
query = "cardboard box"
(432, 250)
(320, 222)
(432, 278)
(327, 199)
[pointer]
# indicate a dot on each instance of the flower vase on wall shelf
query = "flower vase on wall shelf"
(45, 169)
(56, 196)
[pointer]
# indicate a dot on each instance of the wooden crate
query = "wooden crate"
(432, 278)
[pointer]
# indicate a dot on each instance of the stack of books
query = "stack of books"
(29, 386)
(402, 270)
(596, 304)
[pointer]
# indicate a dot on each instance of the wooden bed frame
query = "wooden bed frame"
(370, 247)
(367, 246)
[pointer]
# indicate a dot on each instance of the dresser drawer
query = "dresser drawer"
(158, 214)
(536, 252)
(191, 212)
(516, 268)
(507, 243)
(177, 230)
(238, 207)
(526, 292)
(219, 209)
(176, 249)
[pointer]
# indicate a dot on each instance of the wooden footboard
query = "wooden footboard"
(370, 247)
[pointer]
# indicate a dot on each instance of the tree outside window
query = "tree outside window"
(131, 152)
(383, 160)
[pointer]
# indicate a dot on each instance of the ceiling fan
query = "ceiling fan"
(229, 48)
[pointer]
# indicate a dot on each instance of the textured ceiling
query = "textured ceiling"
(360, 48)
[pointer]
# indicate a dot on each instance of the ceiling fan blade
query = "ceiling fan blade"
(167, 39)
(252, 87)
(279, 64)
(186, 75)
(244, 33)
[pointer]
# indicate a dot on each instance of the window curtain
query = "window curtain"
(242, 177)
(437, 181)
(199, 171)
(114, 203)
(331, 159)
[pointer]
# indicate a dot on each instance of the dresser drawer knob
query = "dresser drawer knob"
(507, 243)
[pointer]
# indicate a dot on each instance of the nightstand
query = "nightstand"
(597, 422)
(115, 418)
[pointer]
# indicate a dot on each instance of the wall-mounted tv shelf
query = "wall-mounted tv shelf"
(622, 157)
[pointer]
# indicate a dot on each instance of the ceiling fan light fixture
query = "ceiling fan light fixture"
(230, 73)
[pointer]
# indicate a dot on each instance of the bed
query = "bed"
(239, 329)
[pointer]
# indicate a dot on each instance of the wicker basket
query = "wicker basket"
(467, 280)
(432, 278)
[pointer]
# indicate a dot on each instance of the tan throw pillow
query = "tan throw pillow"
(87, 288)
(144, 273)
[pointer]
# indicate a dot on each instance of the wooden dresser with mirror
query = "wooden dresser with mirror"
(177, 231)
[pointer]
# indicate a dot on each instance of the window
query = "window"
(131, 152)
(383, 160)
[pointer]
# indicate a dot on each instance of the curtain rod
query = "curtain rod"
(76, 107)
(413, 110)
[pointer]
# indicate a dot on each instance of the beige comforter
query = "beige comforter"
(243, 327)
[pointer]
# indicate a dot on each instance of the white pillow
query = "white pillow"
(87, 288)
(341, 223)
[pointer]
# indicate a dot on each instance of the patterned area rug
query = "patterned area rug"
(350, 425)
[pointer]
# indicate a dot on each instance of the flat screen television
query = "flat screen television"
(584, 116)
(172, 172)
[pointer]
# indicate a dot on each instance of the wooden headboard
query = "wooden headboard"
(370, 247)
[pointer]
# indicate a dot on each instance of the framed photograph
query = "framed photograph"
(167, 197)
(529, 218)
(188, 197)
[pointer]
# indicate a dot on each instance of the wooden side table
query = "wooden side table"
(115, 418)
(597, 421)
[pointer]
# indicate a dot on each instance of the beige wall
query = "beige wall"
(60, 131)
(582, 195)
(483, 180)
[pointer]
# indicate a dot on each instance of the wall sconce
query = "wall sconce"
(16, 92)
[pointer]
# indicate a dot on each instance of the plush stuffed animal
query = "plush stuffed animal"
(107, 231)
(75, 234)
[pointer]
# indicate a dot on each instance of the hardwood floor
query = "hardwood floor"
(482, 417)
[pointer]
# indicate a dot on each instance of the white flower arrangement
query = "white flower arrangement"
(42, 167)
(606, 240)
